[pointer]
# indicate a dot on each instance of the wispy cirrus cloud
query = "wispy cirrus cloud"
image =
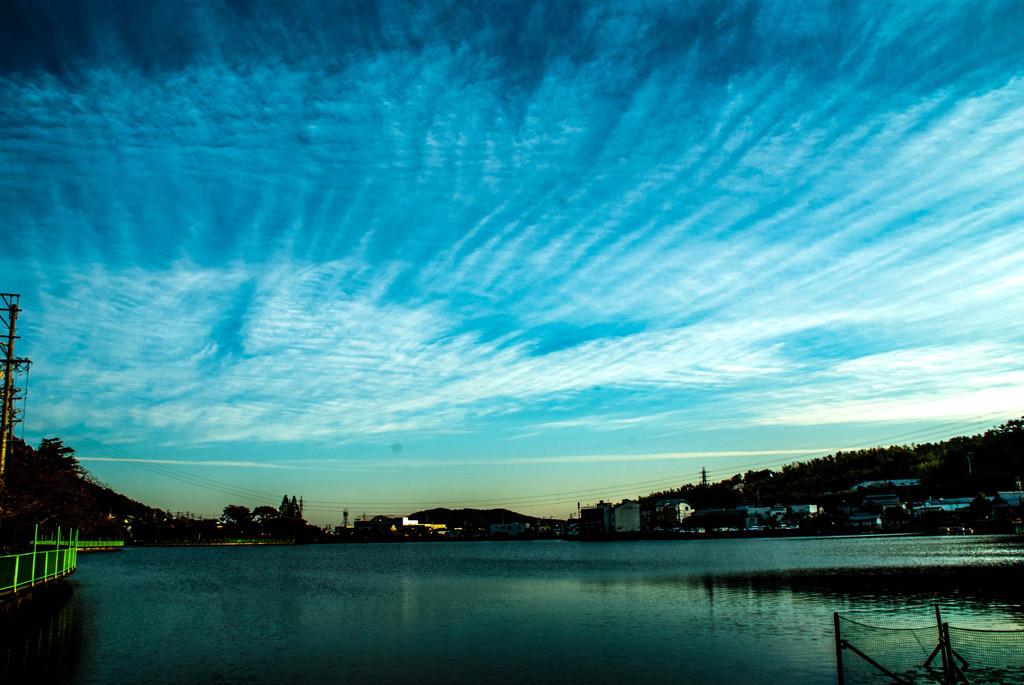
(518, 225)
(911, 385)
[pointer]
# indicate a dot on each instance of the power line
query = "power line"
(675, 479)
(153, 466)
(546, 499)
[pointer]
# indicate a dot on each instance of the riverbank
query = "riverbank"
(37, 599)
(207, 543)
(351, 536)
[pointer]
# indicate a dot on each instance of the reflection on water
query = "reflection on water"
(700, 611)
(980, 586)
(38, 645)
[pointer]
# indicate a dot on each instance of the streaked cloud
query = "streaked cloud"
(521, 230)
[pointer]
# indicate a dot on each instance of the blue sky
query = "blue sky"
(389, 256)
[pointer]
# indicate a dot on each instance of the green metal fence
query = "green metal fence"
(213, 542)
(84, 544)
(20, 571)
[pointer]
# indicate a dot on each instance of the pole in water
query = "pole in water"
(840, 676)
(942, 643)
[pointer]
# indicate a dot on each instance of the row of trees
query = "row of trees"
(285, 521)
(49, 487)
(961, 466)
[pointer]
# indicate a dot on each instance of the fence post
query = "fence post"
(840, 676)
(943, 647)
(35, 550)
(955, 674)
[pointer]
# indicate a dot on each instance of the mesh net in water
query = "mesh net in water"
(988, 656)
(892, 648)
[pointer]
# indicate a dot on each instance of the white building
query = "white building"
(603, 518)
(626, 517)
(759, 516)
(950, 503)
(1012, 498)
(512, 530)
(894, 483)
(669, 513)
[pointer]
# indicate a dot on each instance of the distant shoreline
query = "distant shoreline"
(205, 543)
(718, 535)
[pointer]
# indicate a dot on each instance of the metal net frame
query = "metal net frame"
(877, 648)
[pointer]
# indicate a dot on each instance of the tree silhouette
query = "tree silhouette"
(48, 487)
(264, 514)
(237, 514)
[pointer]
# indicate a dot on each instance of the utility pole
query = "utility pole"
(703, 476)
(11, 365)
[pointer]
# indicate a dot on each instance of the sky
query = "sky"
(387, 256)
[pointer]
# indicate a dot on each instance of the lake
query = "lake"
(691, 611)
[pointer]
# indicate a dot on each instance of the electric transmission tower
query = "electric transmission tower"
(9, 367)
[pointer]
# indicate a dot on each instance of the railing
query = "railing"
(19, 571)
(84, 544)
(211, 542)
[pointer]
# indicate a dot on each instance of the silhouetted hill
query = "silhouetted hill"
(470, 519)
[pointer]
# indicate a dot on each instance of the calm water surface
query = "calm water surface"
(697, 611)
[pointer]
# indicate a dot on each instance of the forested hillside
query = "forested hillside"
(987, 462)
(47, 486)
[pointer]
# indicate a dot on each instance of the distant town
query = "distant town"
(960, 486)
(881, 506)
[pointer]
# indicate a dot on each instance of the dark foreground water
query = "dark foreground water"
(698, 611)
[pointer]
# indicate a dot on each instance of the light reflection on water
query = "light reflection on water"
(37, 646)
(700, 611)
